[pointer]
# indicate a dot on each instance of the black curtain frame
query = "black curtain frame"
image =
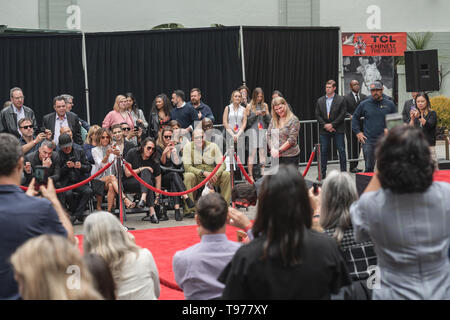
(153, 62)
(296, 61)
(43, 66)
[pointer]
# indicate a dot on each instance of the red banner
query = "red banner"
(373, 44)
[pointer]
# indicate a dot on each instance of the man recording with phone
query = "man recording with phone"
(22, 215)
(44, 156)
(28, 140)
(74, 168)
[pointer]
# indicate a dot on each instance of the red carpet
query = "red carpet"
(163, 243)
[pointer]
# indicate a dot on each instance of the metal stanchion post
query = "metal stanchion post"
(122, 212)
(319, 162)
(446, 145)
(231, 156)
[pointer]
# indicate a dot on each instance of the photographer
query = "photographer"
(119, 140)
(31, 216)
(133, 135)
(74, 168)
(28, 141)
(43, 157)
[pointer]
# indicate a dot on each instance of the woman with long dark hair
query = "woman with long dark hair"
(159, 115)
(426, 119)
(144, 162)
(286, 259)
(136, 113)
(172, 176)
(406, 215)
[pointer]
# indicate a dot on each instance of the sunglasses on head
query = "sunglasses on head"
(27, 127)
(126, 129)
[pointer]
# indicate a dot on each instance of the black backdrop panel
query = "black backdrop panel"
(153, 62)
(296, 61)
(43, 66)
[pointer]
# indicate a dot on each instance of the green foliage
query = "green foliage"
(441, 104)
(168, 26)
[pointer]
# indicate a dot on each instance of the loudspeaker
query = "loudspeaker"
(421, 68)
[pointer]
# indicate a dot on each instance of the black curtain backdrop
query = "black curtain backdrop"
(152, 62)
(296, 61)
(43, 66)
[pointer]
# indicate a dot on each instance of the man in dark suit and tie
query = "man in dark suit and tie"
(352, 100)
(62, 118)
(330, 113)
(407, 107)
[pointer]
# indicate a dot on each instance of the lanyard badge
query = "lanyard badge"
(236, 128)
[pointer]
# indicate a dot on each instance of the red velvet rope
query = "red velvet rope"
(173, 194)
(309, 161)
(79, 184)
(247, 177)
(169, 284)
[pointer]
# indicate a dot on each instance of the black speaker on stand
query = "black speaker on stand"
(421, 69)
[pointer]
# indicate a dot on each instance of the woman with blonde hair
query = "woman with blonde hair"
(258, 119)
(133, 268)
(103, 154)
(49, 267)
(119, 114)
(90, 142)
(282, 133)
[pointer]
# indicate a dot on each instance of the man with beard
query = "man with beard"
(374, 110)
(203, 110)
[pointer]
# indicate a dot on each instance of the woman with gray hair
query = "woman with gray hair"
(133, 268)
(336, 196)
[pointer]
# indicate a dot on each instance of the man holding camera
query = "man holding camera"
(28, 141)
(43, 157)
(23, 216)
(74, 168)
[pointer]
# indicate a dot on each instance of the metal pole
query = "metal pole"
(86, 89)
(241, 36)
(446, 144)
(319, 162)
(231, 155)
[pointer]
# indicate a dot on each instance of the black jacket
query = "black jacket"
(338, 111)
(73, 121)
(8, 120)
(351, 102)
(406, 109)
(73, 175)
(54, 171)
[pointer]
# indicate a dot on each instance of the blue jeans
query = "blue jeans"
(369, 156)
(325, 140)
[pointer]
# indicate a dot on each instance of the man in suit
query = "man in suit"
(352, 100)
(10, 116)
(330, 113)
(407, 107)
(62, 118)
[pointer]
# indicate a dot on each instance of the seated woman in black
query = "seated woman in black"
(144, 162)
(172, 177)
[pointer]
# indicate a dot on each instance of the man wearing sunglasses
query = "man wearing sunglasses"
(28, 141)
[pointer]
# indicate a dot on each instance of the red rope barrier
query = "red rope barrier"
(169, 284)
(79, 184)
(173, 194)
(309, 161)
(241, 167)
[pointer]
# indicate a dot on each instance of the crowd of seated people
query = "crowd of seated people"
(301, 245)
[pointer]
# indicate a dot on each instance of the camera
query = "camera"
(41, 130)
(41, 175)
(73, 159)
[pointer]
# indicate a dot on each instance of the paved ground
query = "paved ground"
(134, 220)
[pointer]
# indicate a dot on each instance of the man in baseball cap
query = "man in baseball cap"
(374, 110)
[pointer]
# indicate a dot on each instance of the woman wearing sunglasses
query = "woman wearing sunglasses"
(103, 154)
(172, 177)
(145, 163)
